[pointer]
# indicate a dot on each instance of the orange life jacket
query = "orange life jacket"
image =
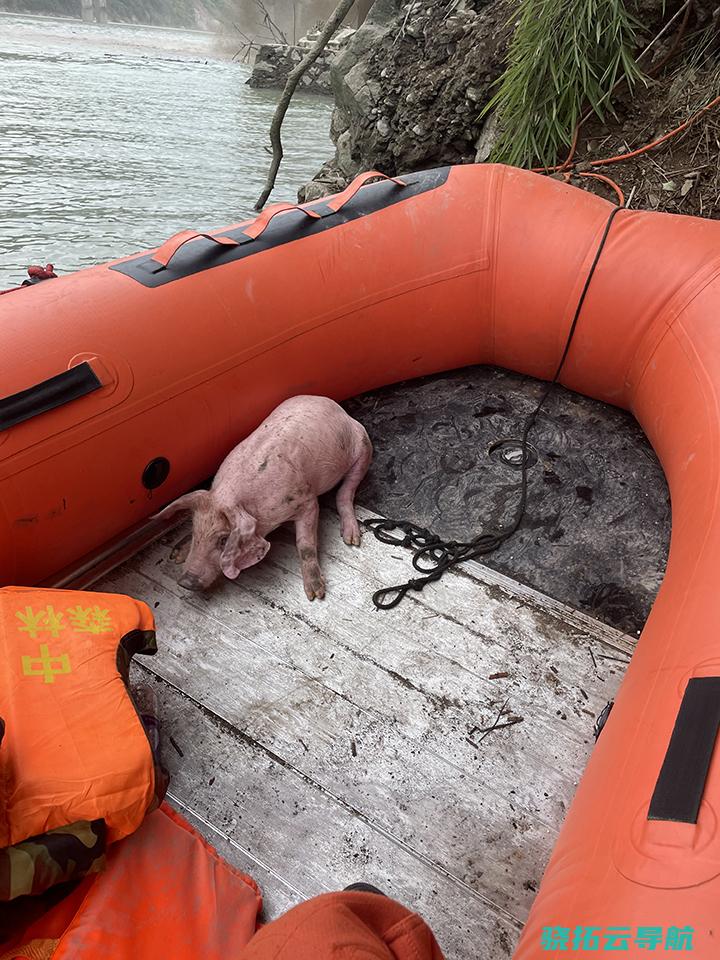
(77, 770)
(165, 893)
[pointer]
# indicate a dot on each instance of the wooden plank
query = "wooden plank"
(230, 783)
(310, 680)
(401, 786)
(461, 658)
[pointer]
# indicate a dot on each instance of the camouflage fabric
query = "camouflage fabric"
(67, 853)
(34, 950)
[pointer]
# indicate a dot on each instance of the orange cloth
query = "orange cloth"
(345, 926)
(165, 893)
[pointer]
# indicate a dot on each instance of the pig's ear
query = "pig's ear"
(244, 548)
(190, 501)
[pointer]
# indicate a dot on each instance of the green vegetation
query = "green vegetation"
(565, 54)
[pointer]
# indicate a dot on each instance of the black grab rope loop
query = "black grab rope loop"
(412, 536)
(436, 554)
(397, 593)
(446, 554)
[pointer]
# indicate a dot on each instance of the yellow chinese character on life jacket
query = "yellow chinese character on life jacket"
(41, 621)
(90, 619)
(46, 665)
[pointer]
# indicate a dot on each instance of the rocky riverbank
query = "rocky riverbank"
(412, 85)
(410, 88)
(274, 62)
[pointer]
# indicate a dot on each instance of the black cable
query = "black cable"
(433, 556)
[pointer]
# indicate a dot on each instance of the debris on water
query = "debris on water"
(176, 747)
(353, 748)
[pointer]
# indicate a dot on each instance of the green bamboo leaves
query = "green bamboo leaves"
(565, 54)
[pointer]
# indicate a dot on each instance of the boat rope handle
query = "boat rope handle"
(164, 254)
(339, 201)
(260, 224)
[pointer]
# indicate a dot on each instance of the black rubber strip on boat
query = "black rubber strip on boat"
(680, 786)
(201, 254)
(69, 385)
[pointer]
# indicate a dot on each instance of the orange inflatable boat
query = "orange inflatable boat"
(126, 384)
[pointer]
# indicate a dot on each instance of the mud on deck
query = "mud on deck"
(320, 744)
(597, 526)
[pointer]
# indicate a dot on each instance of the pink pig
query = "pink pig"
(304, 448)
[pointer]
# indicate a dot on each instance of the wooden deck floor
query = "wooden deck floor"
(323, 743)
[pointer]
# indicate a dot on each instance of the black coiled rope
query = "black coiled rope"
(432, 556)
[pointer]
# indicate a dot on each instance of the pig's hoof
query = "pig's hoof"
(315, 587)
(317, 592)
(351, 535)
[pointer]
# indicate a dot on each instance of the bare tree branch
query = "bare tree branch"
(294, 77)
(268, 21)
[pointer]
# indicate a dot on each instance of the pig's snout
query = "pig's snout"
(190, 582)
